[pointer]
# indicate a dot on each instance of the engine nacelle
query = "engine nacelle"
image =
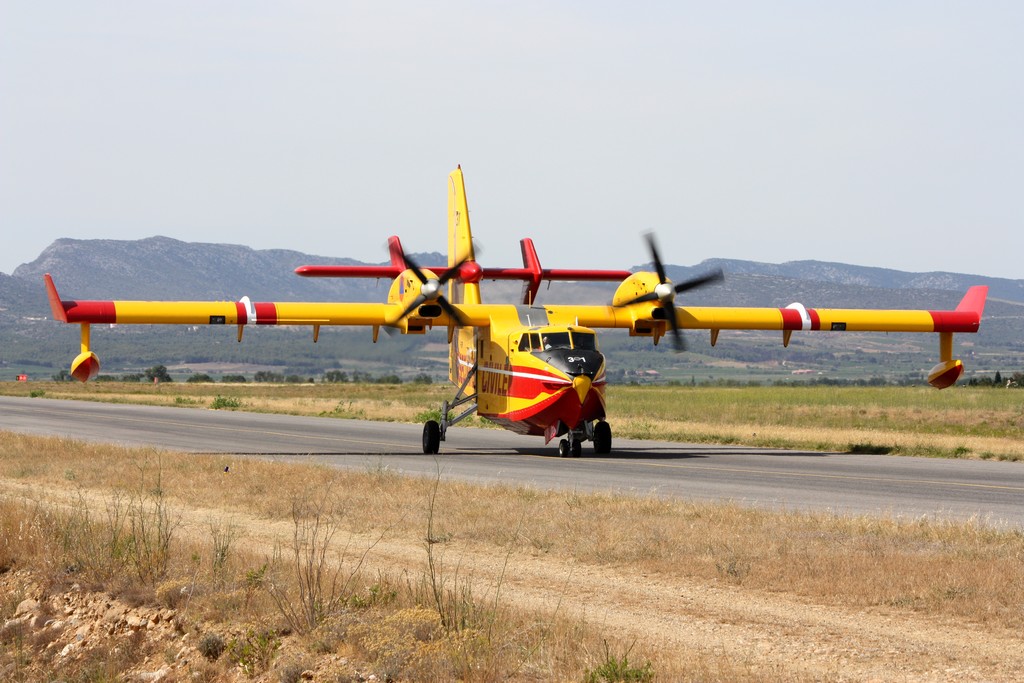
(406, 287)
(404, 290)
(644, 316)
(945, 374)
(634, 286)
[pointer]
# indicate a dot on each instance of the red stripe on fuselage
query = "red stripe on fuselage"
(539, 381)
(564, 407)
(531, 387)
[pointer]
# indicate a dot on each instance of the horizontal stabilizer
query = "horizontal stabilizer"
(530, 273)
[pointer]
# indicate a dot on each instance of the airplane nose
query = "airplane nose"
(581, 383)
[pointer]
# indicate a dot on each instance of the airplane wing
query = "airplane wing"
(652, 319)
(243, 313)
(644, 319)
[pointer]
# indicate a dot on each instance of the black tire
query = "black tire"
(602, 438)
(577, 449)
(431, 437)
(563, 448)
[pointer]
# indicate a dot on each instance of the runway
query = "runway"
(777, 479)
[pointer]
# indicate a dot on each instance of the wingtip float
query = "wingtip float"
(531, 369)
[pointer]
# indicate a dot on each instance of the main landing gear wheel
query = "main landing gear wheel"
(431, 437)
(602, 438)
(563, 448)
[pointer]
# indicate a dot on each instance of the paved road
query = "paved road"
(908, 487)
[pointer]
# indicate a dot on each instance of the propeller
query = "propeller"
(665, 292)
(431, 290)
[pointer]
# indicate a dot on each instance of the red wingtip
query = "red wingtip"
(56, 306)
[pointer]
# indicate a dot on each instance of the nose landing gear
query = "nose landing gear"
(600, 432)
(571, 446)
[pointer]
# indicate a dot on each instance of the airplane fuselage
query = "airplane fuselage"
(539, 379)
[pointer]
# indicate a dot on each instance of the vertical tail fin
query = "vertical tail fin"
(462, 357)
(460, 240)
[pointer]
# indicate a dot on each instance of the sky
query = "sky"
(883, 134)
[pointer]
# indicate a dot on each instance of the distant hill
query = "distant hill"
(856, 276)
(165, 268)
(159, 268)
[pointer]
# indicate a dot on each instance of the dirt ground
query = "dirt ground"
(772, 636)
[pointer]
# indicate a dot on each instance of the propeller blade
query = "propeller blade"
(665, 293)
(658, 267)
(451, 272)
(677, 336)
(649, 296)
(414, 268)
(416, 303)
(452, 312)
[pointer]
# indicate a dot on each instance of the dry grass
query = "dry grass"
(239, 538)
(70, 512)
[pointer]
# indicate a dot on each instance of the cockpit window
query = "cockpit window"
(556, 340)
(530, 342)
(584, 340)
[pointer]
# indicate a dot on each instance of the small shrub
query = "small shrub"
(254, 652)
(615, 670)
(226, 402)
(211, 646)
(734, 569)
(408, 644)
(376, 595)
(433, 414)
(290, 672)
(348, 411)
(222, 535)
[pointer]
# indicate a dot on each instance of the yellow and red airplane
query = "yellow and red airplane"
(533, 369)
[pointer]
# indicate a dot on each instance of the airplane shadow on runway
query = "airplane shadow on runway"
(670, 453)
(649, 453)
